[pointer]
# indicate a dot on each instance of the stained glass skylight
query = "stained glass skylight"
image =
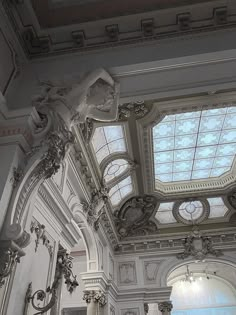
(107, 140)
(217, 207)
(164, 213)
(194, 145)
(114, 169)
(120, 191)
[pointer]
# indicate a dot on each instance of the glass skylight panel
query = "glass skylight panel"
(120, 191)
(114, 169)
(191, 210)
(164, 213)
(195, 145)
(217, 207)
(107, 140)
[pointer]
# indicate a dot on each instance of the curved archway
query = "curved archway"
(87, 236)
(203, 288)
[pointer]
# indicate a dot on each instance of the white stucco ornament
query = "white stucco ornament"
(95, 97)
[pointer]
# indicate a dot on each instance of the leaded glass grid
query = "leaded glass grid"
(164, 213)
(194, 145)
(107, 140)
(217, 207)
(120, 191)
(114, 169)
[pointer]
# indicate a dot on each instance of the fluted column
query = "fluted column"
(165, 307)
(95, 300)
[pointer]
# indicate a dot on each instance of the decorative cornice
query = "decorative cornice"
(198, 247)
(222, 240)
(36, 45)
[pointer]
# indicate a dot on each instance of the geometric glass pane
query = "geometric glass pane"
(217, 207)
(195, 145)
(191, 210)
(164, 213)
(114, 169)
(120, 191)
(107, 140)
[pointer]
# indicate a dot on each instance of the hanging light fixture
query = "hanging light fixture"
(189, 277)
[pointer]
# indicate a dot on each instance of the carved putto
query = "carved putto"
(134, 217)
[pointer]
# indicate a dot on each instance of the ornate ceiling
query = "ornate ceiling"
(125, 158)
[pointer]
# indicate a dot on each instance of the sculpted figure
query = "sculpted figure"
(96, 97)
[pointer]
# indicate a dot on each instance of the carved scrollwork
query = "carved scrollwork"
(63, 269)
(134, 217)
(39, 230)
(139, 109)
(10, 254)
(198, 246)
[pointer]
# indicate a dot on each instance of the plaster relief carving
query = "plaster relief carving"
(150, 271)
(198, 247)
(139, 109)
(58, 178)
(95, 97)
(41, 235)
(130, 311)
(165, 306)
(134, 217)
(127, 273)
(17, 176)
(95, 296)
(232, 199)
(112, 310)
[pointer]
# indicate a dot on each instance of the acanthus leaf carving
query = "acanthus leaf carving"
(95, 296)
(198, 246)
(39, 230)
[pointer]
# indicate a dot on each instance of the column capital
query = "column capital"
(165, 306)
(95, 296)
(146, 308)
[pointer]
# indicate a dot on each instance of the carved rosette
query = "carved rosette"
(95, 296)
(165, 306)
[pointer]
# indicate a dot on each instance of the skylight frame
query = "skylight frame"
(175, 121)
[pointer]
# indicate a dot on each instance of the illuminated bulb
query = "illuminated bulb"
(200, 278)
(191, 278)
